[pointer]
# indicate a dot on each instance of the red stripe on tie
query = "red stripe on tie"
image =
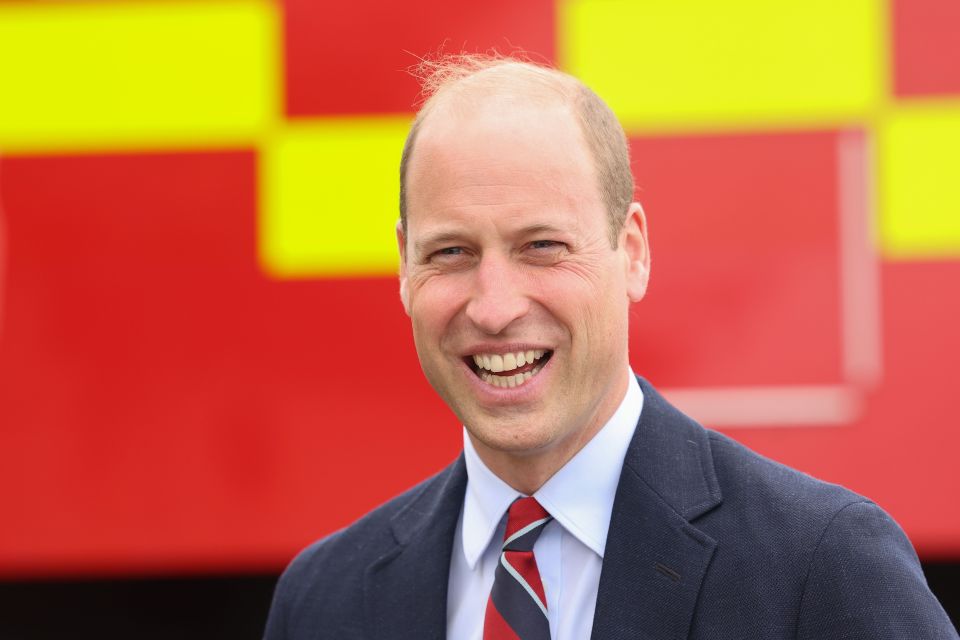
(526, 565)
(494, 626)
(522, 513)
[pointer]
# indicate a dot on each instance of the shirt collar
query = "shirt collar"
(579, 496)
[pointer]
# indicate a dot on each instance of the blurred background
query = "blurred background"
(202, 350)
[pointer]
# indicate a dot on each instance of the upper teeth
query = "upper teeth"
(497, 362)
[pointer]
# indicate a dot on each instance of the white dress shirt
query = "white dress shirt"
(570, 550)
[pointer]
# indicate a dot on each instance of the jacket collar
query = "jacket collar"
(656, 559)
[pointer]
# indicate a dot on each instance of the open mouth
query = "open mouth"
(508, 370)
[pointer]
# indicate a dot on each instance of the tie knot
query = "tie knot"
(525, 520)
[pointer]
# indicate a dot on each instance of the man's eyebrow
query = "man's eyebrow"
(536, 229)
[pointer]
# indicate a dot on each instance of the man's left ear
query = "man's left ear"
(633, 240)
(402, 249)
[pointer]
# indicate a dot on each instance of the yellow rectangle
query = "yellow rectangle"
(330, 198)
(920, 181)
(90, 76)
(703, 63)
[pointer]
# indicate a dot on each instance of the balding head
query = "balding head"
(457, 84)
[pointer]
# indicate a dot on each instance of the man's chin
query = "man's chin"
(520, 436)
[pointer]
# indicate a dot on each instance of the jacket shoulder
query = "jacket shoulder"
(745, 476)
(774, 509)
(816, 553)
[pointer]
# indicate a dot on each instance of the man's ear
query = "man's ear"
(402, 246)
(633, 239)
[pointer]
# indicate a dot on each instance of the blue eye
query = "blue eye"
(451, 251)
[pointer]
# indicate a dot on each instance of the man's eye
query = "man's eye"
(545, 244)
(447, 253)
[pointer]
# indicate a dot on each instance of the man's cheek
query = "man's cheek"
(437, 306)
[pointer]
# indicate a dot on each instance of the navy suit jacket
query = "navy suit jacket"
(707, 540)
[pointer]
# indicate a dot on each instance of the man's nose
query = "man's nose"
(498, 296)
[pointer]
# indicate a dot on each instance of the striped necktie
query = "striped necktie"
(517, 607)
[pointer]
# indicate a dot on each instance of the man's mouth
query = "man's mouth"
(508, 370)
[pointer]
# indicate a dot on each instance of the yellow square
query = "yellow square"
(703, 63)
(330, 198)
(133, 75)
(920, 181)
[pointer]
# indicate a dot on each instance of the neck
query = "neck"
(525, 473)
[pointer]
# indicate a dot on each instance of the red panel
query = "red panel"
(744, 288)
(352, 57)
(163, 406)
(926, 47)
(903, 452)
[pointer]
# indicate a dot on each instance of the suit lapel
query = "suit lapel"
(405, 590)
(655, 559)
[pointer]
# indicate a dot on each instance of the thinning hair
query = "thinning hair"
(601, 130)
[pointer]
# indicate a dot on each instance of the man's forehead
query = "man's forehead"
(457, 191)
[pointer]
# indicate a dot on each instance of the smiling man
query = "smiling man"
(583, 505)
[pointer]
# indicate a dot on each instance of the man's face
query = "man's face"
(517, 299)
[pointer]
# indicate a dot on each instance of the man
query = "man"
(583, 503)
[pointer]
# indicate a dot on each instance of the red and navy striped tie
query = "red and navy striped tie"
(517, 607)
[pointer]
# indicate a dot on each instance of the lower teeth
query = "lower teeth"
(510, 381)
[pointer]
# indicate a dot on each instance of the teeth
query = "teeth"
(491, 363)
(509, 382)
(497, 362)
